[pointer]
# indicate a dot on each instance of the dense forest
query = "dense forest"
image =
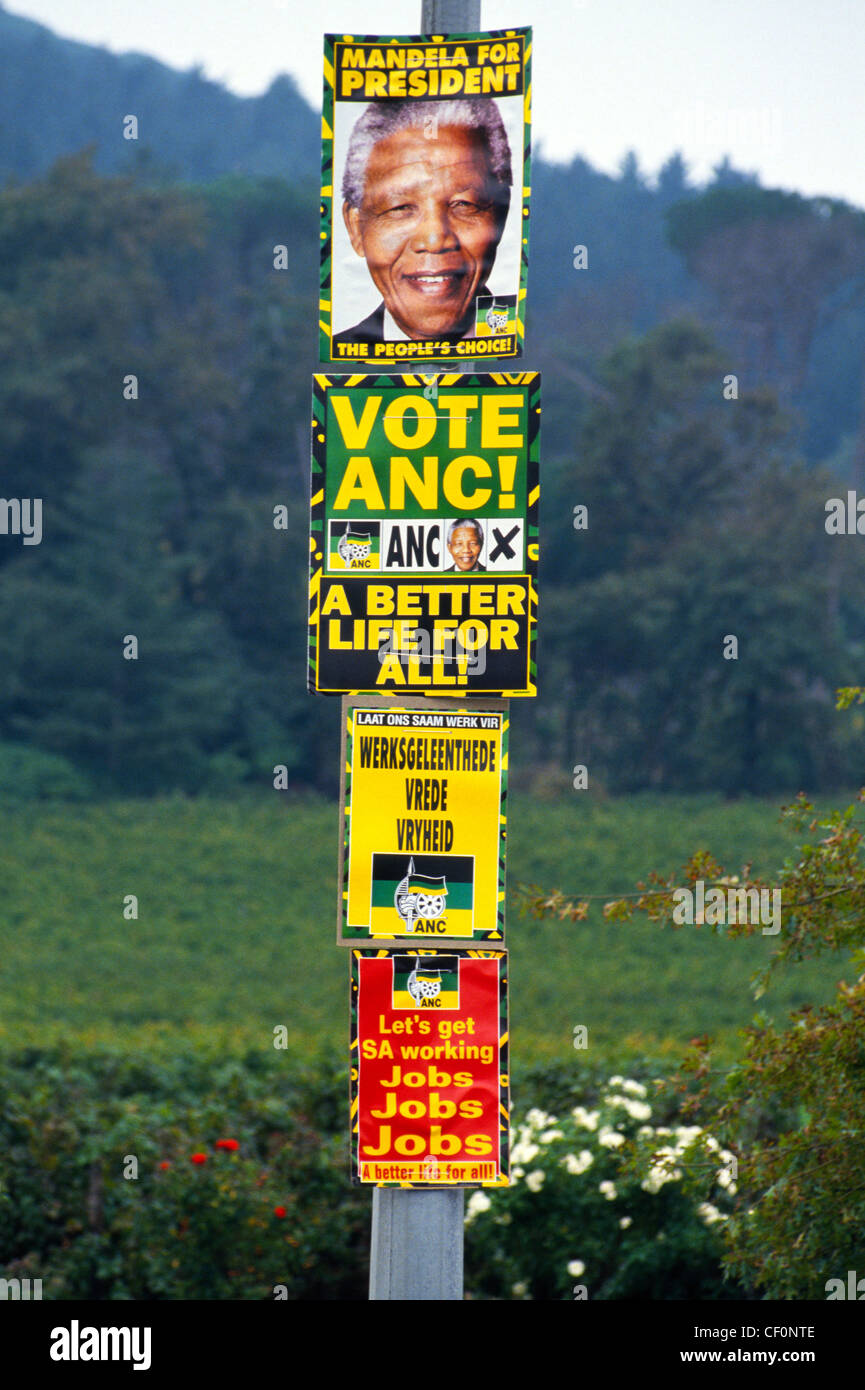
(153, 260)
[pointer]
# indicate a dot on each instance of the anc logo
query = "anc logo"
(419, 895)
(424, 983)
(425, 895)
(354, 546)
(354, 549)
(495, 316)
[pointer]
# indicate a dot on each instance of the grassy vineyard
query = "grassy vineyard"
(235, 928)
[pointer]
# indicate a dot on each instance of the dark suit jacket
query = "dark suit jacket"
(475, 569)
(369, 330)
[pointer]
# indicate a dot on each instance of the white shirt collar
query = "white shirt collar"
(391, 330)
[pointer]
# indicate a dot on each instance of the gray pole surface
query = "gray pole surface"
(417, 1233)
(450, 16)
(417, 1244)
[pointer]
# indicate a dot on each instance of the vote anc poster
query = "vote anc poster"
(423, 850)
(425, 197)
(429, 1078)
(424, 534)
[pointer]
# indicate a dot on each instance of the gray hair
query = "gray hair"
(465, 521)
(384, 118)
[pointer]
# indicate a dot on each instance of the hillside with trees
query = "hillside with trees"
(155, 260)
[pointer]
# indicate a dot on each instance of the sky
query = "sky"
(775, 84)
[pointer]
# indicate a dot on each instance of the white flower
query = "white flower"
(645, 1129)
(519, 1290)
(478, 1202)
(609, 1190)
(576, 1268)
(634, 1088)
(538, 1119)
(686, 1134)
(578, 1163)
(523, 1152)
(610, 1138)
(550, 1134)
(587, 1118)
(711, 1144)
(535, 1180)
(637, 1109)
(709, 1213)
(640, 1110)
(657, 1176)
(516, 1173)
(661, 1172)
(625, 1221)
(616, 1081)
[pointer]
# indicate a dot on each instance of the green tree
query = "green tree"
(793, 1109)
(108, 571)
(102, 280)
(779, 265)
(701, 526)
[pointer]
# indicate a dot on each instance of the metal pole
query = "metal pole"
(450, 16)
(417, 1244)
(417, 1233)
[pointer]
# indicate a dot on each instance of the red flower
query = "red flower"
(198, 1158)
(230, 1144)
(280, 1211)
(164, 1164)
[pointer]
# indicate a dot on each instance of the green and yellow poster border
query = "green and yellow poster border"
(328, 199)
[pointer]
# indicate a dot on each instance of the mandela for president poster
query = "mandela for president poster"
(425, 197)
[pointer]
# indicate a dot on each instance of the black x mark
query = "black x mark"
(504, 547)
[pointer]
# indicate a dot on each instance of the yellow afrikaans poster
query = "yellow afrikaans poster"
(423, 851)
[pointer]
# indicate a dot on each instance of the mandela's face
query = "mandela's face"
(465, 547)
(430, 222)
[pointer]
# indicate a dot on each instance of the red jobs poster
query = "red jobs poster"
(429, 1067)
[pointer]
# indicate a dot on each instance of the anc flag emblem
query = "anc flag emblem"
(355, 549)
(419, 895)
(426, 982)
(495, 316)
(426, 894)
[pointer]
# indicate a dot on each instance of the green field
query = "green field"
(236, 926)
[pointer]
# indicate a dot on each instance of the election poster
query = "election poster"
(425, 193)
(424, 534)
(429, 1068)
(424, 821)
